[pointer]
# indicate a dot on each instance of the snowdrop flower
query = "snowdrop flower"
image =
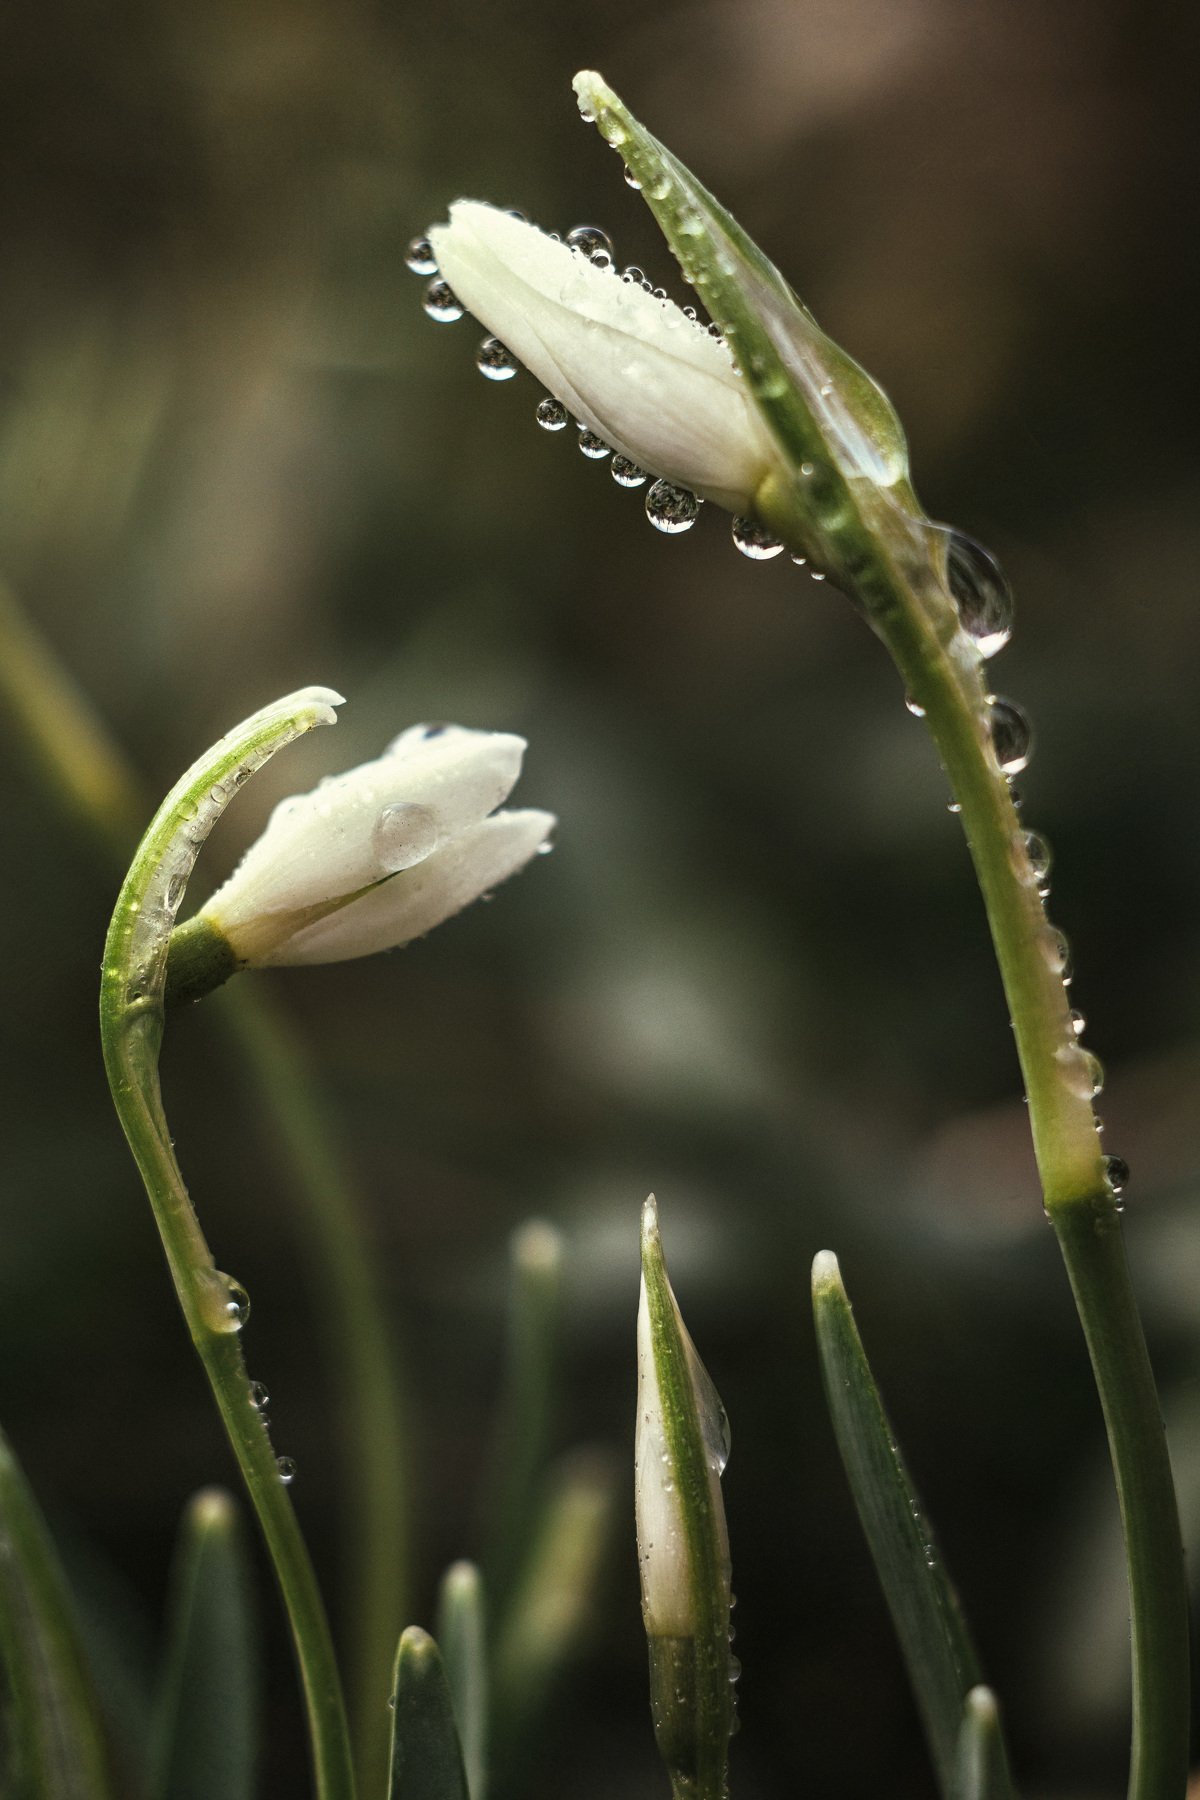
(368, 860)
(649, 381)
(681, 1446)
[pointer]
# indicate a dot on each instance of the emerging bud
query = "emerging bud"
(634, 369)
(681, 1447)
(367, 861)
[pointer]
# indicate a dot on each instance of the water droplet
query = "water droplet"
(715, 331)
(754, 540)
(817, 574)
(1057, 952)
(632, 181)
(1012, 734)
(495, 360)
(237, 1302)
(735, 1668)
(259, 1397)
(626, 474)
(914, 707)
(442, 303)
(634, 275)
(953, 806)
(981, 592)
(286, 1470)
(799, 561)
(419, 257)
(588, 239)
(174, 893)
(1082, 1072)
(660, 293)
(1038, 852)
(594, 447)
(551, 414)
(1078, 1022)
(404, 835)
(1116, 1170)
(671, 509)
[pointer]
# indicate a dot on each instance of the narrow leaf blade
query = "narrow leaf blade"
(981, 1763)
(426, 1760)
(461, 1634)
(59, 1738)
(206, 1714)
(934, 1640)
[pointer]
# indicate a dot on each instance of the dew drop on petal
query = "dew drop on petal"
(754, 540)
(626, 474)
(588, 240)
(593, 447)
(981, 593)
(671, 509)
(1012, 734)
(634, 275)
(419, 257)
(404, 835)
(551, 414)
(495, 360)
(442, 303)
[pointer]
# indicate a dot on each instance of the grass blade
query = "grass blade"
(461, 1634)
(426, 1761)
(981, 1765)
(58, 1736)
(205, 1731)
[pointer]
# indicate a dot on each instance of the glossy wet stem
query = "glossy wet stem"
(131, 1020)
(843, 498)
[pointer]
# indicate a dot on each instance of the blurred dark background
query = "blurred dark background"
(235, 458)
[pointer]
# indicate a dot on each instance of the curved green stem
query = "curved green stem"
(93, 783)
(131, 1021)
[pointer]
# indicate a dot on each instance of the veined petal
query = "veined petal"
(407, 905)
(357, 828)
(634, 369)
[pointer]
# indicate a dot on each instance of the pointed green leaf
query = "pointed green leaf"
(981, 1763)
(934, 1639)
(461, 1634)
(58, 1736)
(426, 1762)
(206, 1714)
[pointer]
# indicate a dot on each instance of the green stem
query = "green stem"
(131, 1028)
(942, 676)
(360, 1350)
(94, 784)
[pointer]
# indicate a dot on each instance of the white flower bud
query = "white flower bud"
(635, 370)
(381, 854)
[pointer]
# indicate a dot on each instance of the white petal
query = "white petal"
(413, 902)
(667, 1604)
(357, 828)
(648, 380)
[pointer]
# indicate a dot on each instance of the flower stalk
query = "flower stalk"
(847, 503)
(131, 1017)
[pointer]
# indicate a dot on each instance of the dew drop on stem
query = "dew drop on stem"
(1116, 1171)
(237, 1302)
(285, 1469)
(981, 593)
(1012, 734)
(260, 1399)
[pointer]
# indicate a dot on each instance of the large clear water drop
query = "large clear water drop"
(591, 242)
(441, 303)
(626, 474)
(405, 834)
(672, 509)
(495, 360)
(754, 540)
(1012, 734)
(981, 593)
(551, 414)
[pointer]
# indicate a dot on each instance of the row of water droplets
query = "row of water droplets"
(985, 608)
(236, 1309)
(670, 508)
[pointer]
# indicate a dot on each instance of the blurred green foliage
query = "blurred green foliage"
(235, 457)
